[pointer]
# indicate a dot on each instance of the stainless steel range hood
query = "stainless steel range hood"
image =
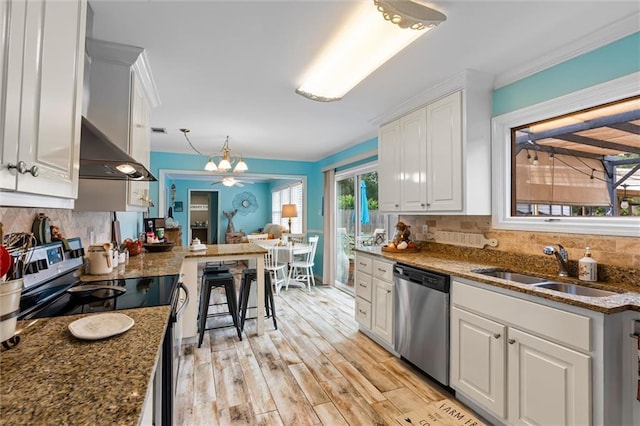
(102, 159)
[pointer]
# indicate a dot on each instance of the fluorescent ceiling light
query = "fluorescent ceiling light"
(365, 41)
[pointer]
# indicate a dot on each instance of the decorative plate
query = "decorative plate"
(100, 326)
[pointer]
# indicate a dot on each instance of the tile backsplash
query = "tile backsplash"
(71, 223)
(622, 252)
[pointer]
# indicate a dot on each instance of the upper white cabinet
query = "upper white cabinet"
(121, 93)
(438, 157)
(389, 167)
(42, 51)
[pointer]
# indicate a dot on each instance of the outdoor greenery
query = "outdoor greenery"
(346, 187)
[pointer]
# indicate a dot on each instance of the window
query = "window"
(543, 195)
(291, 194)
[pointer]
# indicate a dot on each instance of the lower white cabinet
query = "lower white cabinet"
(478, 359)
(374, 298)
(507, 357)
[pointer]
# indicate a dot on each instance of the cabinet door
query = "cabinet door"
(44, 43)
(382, 307)
(444, 153)
(548, 383)
(413, 190)
(478, 363)
(140, 141)
(389, 171)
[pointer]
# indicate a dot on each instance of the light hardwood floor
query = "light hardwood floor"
(316, 368)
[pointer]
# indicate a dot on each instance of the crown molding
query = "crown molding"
(601, 37)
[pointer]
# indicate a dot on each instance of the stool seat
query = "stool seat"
(211, 280)
(249, 275)
(214, 269)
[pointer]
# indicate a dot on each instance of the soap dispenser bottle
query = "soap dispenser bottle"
(588, 267)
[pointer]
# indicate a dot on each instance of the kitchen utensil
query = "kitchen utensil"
(115, 230)
(5, 262)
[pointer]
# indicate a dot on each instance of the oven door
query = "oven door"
(171, 354)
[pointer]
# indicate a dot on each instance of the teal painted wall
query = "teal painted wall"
(606, 63)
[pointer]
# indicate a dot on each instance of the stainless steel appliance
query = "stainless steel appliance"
(52, 288)
(421, 332)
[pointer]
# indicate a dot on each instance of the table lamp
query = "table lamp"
(289, 211)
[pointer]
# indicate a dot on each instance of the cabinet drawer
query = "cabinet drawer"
(363, 312)
(364, 264)
(383, 270)
(563, 327)
(363, 286)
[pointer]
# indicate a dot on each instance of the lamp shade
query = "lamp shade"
(289, 210)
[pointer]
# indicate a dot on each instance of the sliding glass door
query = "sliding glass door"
(358, 221)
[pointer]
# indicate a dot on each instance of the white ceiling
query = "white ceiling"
(231, 67)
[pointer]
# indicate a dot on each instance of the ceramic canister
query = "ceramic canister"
(100, 260)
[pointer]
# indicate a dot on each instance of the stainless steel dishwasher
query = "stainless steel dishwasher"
(421, 331)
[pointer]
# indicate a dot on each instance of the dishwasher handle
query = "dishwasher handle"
(429, 279)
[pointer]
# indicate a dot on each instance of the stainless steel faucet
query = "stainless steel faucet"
(561, 256)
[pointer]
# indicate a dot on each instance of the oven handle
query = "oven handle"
(186, 300)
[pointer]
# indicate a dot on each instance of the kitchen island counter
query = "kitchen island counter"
(51, 377)
(145, 265)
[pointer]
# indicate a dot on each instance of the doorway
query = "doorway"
(357, 217)
(203, 216)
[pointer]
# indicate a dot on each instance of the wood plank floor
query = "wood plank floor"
(315, 369)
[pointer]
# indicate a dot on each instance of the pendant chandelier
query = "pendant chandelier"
(224, 159)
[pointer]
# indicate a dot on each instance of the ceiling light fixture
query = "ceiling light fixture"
(363, 44)
(225, 163)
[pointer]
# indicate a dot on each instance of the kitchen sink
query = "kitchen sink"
(510, 276)
(576, 289)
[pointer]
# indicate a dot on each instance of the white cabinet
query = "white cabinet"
(436, 159)
(140, 142)
(389, 167)
(444, 154)
(42, 49)
(525, 363)
(548, 384)
(402, 152)
(478, 359)
(374, 298)
(121, 95)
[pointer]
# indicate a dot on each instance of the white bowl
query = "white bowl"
(9, 304)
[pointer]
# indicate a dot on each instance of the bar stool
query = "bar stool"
(214, 280)
(248, 277)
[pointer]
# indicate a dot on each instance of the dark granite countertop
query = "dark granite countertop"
(51, 377)
(456, 265)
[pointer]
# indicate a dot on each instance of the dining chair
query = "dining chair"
(276, 268)
(303, 269)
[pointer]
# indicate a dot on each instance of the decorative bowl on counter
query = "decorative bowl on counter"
(158, 247)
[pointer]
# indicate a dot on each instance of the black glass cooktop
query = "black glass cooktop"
(59, 299)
